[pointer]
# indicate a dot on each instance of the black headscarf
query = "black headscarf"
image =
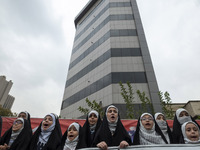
(0, 125)
(22, 141)
(87, 136)
(136, 140)
(177, 133)
(169, 132)
(54, 139)
(80, 144)
(104, 133)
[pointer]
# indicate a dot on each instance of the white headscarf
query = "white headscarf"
(15, 134)
(45, 134)
(25, 113)
(188, 141)
(92, 127)
(183, 119)
(94, 112)
(71, 145)
(163, 126)
(148, 137)
(112, 126)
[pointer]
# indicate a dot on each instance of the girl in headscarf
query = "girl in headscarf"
(25, 115)
(112, 131)
(17, 137)
(148, 132)
(191, 133)
(48, 135)
(180, 118)
(71, 139)
(92, 124)
(162, 123)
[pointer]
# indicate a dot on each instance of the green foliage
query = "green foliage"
(145, 102)
(166, 104)
(128, 98)
(93, 105)
(197, 118)
(6, 112)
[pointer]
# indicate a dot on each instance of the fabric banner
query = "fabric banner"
(130, 125)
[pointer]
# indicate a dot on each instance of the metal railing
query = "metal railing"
(155, 147)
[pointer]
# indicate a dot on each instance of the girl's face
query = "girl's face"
(47, 122)
(112, 114)
(72, 133)
(92, 119)
(161, 117)
(192, 132)
(22, 115)
(17, 125)
(147, 122)
(183, 113)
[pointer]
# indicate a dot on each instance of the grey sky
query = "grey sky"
(36, 39)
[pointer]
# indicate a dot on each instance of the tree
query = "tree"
(6, 112)
(166, 104)
(128, 96)
(128, 99)
(93, 105)
(146, 102)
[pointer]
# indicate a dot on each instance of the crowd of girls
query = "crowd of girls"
(151, 129)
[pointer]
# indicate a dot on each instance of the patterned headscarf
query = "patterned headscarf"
(163, 126)
(148, 137)
(183, 119)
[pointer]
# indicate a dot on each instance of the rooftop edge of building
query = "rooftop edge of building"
(84, 11)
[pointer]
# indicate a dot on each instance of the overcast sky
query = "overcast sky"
(36, 39)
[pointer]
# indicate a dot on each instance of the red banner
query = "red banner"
(64, 123)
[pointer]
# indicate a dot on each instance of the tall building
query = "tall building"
(109, 47)
(6, 100)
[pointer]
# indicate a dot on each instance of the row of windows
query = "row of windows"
(110, 5)
(114, 52)
(99, 27)
(111, 33)
(112, 78)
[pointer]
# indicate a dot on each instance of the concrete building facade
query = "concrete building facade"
(109, 47)
(6, 100)
(192, 106)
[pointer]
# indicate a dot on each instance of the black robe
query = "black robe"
(21, 142)
(0, 125)
(136, 140)
(87, 136)
(53, 141)
(177, 132)
(29, 121)
(169, 134)
(104, 134)
(81, 143)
